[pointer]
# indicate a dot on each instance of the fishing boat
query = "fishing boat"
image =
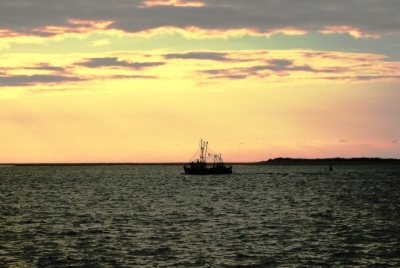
(200, 166)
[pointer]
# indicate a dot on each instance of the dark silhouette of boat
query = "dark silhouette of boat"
(201, 167)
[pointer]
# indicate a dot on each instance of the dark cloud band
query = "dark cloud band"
(371, 17)
(114, 62)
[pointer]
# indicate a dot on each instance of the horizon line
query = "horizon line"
(182, 163)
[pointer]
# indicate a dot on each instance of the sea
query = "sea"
(156, 216)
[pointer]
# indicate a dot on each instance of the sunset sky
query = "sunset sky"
(144, 81)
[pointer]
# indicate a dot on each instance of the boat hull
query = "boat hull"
(208, 170)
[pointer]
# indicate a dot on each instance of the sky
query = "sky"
(144, 81)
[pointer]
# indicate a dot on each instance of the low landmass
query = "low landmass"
(332, 161)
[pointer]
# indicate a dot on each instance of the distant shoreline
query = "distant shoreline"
(274, 161)
(332, 161)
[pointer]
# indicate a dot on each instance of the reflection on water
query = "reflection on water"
(148, 216)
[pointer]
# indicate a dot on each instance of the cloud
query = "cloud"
(278, 65)
(230, 74)
(46, 67)
(394, 141)
(114, 62)
(49, 17)
(281, 67)
(363, 78)
(28, 80)
(342, 140)
(274, 66)
(338, 56)
(198, 56)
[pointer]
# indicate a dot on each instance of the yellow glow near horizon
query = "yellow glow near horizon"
(163, 122)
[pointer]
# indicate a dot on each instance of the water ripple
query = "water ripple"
(154, 216)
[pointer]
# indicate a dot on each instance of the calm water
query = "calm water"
(154, 216)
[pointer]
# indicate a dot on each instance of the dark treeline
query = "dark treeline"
(331, 161)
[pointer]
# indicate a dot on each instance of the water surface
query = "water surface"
(155, 216)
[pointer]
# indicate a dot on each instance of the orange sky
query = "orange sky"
(94, 91)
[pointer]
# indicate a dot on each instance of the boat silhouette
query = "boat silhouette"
(200, 166)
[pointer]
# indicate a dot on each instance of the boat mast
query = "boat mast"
(203, 151)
